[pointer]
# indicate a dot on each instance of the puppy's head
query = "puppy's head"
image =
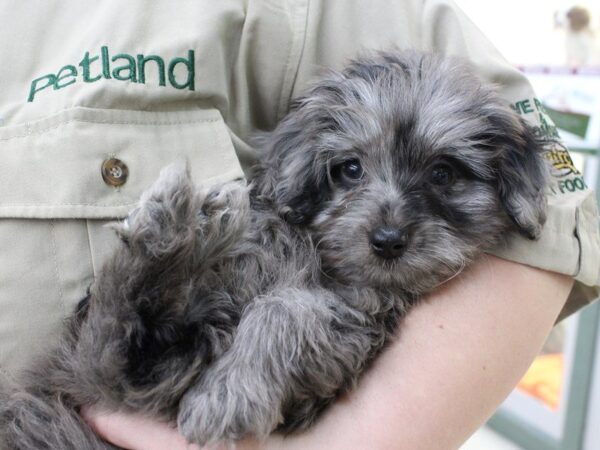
(404, 166)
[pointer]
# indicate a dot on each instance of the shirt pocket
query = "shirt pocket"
(62, 179)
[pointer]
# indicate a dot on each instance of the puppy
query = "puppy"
(243, 310)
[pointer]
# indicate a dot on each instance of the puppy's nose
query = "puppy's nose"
(388, 242)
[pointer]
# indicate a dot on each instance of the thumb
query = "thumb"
(134, 432)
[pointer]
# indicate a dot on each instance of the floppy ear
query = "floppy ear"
(522, 172)
(293, 169)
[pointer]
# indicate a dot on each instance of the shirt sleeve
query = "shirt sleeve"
(336, 31)
(570, 242)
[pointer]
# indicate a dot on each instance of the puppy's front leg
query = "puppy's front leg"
(294, 351)
(147, 327)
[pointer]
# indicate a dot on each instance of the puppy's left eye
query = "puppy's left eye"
(442, 175)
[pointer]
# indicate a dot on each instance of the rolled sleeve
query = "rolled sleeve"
(570, 242)
(586, 232)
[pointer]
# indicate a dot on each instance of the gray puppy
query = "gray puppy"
(242, 310)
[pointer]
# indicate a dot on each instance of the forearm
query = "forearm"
(457, 356)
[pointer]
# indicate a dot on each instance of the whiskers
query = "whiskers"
(463, 264)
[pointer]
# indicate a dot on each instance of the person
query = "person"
(459, 355)
(96, 100)
(579, 37)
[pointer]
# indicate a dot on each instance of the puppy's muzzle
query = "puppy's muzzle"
(388, 242)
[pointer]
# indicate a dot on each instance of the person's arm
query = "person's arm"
(457, 355)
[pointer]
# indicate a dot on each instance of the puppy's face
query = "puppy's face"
(397, 215)
(404, 167)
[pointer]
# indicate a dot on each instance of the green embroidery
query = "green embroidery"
(98, 67)
(539, 105)
(131, 75)
(568, 178)
(105, 64)
(522, 107)
(525, 107)
(574, 123)
(572, 185)
(85, 65)
(546, 128)
(189, 64)
(59, 76)
(33, 89)
(141, 62)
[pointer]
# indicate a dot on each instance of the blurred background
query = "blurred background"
(556, 43)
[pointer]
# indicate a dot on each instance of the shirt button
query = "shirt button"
(114, 172)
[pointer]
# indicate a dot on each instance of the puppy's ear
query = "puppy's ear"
(522, 172)
(293, 169)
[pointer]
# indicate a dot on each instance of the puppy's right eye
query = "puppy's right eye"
(348, 173)
(352, 170)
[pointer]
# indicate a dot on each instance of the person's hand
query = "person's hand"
(134, 432)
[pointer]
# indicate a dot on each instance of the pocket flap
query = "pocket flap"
(52, 168)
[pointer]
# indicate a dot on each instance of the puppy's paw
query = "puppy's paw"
(224, 415)
(222, 203)
(232, 195)
(163, 222)
(222, 217)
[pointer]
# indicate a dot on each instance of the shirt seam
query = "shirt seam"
(56, 268)
(89, 239)
(12, 205)
(296, 50)
(108, 122)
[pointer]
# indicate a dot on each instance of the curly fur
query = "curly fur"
(245, 309)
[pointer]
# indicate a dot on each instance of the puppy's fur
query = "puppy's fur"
(238, 310)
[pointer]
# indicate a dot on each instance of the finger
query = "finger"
(135, 432)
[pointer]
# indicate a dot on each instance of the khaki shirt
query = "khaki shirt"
(150, 82)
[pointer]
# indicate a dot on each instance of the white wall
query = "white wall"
(524, 30)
